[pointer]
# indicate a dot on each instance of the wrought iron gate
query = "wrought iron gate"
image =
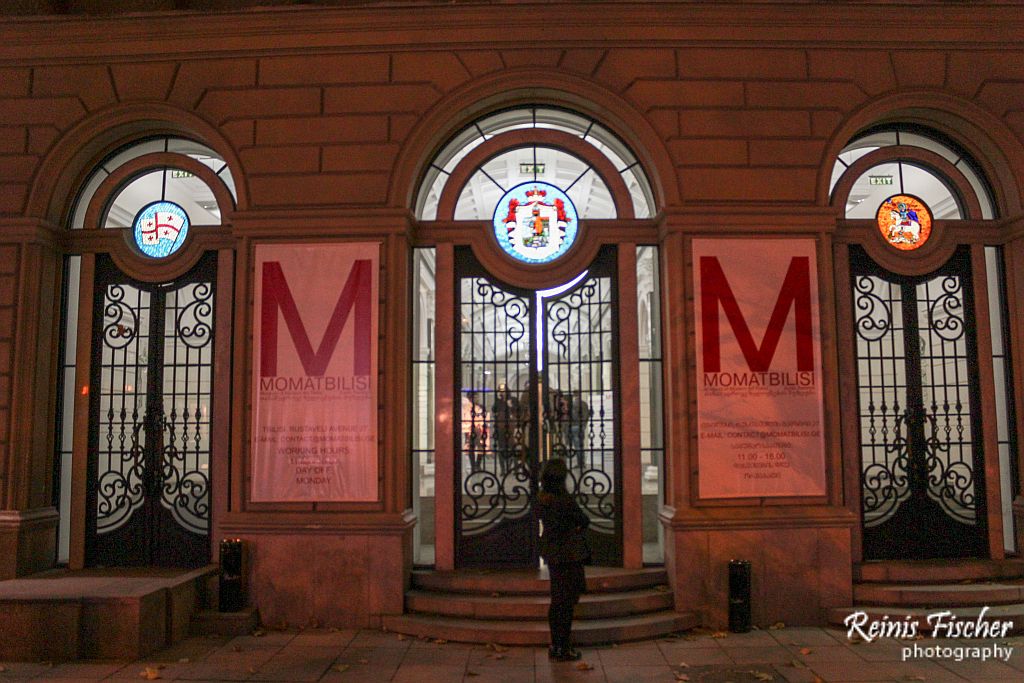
(148, 494)
(922, 473)
(537, 378)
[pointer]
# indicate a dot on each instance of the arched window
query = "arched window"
(143, 238)
(540, 212)
(890, 160)
(925, 309)
(577, 155)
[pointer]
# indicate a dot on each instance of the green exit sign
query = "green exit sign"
(881, 179)
(531, 169)
(176, 173)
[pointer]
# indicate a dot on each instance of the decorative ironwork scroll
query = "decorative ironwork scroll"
(579, 404)
(188, 371)
(496, 463)
(151, 391)
(921, 461)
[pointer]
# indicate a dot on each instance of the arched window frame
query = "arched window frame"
(502, 131)
(88, 216)
(983, 232)
(84, 238)
(971, 227)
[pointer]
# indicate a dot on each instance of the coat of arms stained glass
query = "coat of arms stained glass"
(535, 222)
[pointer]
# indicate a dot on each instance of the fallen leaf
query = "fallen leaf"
(496, 647)
(496, 656)
(682, 677)
(441, 641)
(252, 669)
(259, 633)
(584, 666)
(401, 636)
(684, 665)
(341, 668)
(719, 634)
(778, 625)
(149, 673)
(762, 676)
(806, 650)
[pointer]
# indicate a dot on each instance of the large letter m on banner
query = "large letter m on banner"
(277, 296)
(795, 292)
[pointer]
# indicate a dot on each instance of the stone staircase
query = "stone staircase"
(911, 590)
(510, 607)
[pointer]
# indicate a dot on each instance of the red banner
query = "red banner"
(759, 394)
(314, 428)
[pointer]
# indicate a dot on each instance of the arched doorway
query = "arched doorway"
(530, 217)
(928, 360)
(536, 378)
(142, 331)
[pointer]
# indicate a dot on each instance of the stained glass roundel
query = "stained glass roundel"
(160, 229)
(905, 221)
(535, 222)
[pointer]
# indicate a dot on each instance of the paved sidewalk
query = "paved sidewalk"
(791, 655)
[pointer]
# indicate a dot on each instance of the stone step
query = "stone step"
(937, 571)
(533, 582)
(113, 613)
(586, 632)
(1012, 616)
(938, 595)
(530, 606)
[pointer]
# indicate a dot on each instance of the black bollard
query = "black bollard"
(739, 596)
(231, 592)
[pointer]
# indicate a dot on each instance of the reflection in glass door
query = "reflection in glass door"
(535, 379)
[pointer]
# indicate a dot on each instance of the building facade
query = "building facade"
(337, 279)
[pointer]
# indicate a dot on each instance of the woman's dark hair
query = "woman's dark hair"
(553, 474)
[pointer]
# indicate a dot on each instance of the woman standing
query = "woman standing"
(563, 545)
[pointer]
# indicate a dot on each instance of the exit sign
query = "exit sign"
(531, 169)
(881, 179)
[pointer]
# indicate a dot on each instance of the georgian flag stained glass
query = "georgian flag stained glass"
(160, 229)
